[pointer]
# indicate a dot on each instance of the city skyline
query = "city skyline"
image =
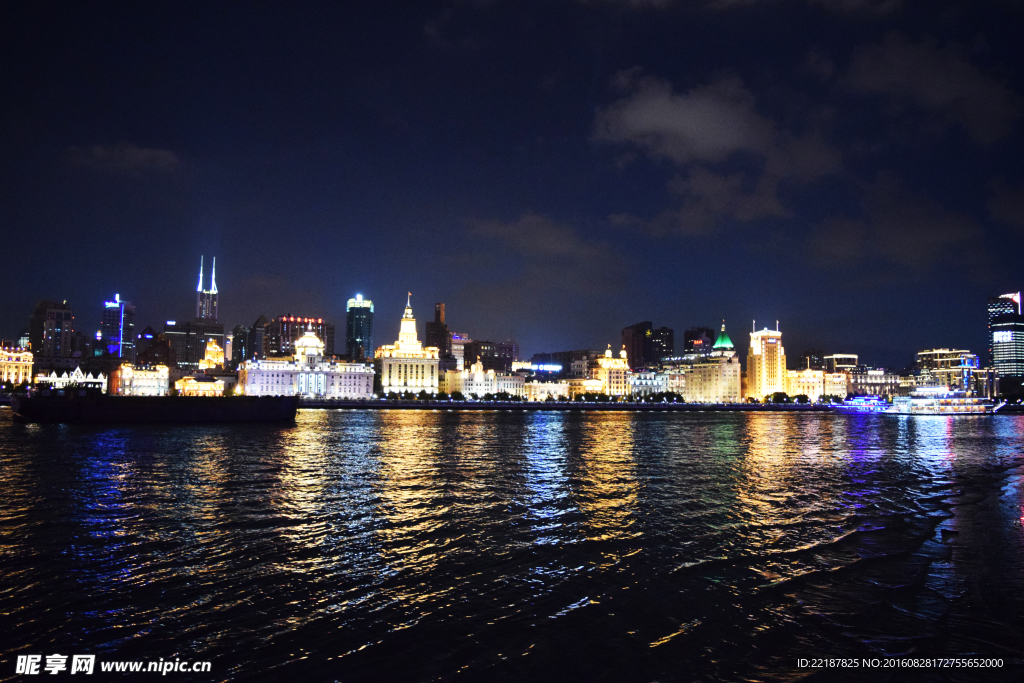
(847, 168)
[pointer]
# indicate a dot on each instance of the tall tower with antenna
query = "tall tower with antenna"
(206, 299)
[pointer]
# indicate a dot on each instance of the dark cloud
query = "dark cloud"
(939, 80)
(907, 235)
(1007, 203)
(701, 131)
(124, 157)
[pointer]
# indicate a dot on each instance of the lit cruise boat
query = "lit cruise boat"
(942, 402)
(863, 404)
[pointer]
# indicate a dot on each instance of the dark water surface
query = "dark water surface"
(413, 546)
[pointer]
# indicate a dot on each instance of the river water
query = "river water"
(509, 546)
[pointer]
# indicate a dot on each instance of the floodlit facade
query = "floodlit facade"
(810, 383)
(612, 373)
(200, 386)
(766, 364)
(214, 357)
(130, 381)
(406, 365)
(306, 373)
(76, 378)
(480, 382)
(541, 391)
(15, 366)
(715, 380)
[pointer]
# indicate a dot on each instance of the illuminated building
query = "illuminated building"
(612, 372)
(129, 381)
(497, 356)
(810, 383)
(188, 340)
(841, 362)
(459, 342)
(306, 373)
(200, 385)
(476, 381)
(358, 328)
(207, 299)
(952, 368)
(75, 379)
(872, 382)
(283, 331)
(117, 328)
(999, 306)
(406, 365)
(214, 357)
(715, 379)
(1006, 342)
(541, 391)
(15, 366)
(766, 364)
(584, 385)
(642, 383)
(638, 342)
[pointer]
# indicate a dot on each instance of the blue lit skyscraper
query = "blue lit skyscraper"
(117, 329)
(359, 328)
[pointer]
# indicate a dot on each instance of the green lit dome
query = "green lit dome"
(723, 342)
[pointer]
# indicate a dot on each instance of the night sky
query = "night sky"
(553, 171)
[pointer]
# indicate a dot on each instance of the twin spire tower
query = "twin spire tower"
(206, 299)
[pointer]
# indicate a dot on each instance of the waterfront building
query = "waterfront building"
(541, 391)
(284, 331)
(478, 381)
(157, 352)
(715, 379)
(642, 383)
(200, 385)
(952, 368)
(358, 328)
(75, 379)
(407, 365)
(810, 383)
(638, 342)
(584, 385)
(497, 356)
(612, 372)
(214, 357)
(127, 380)
(255, 340)
(117, 328)
(306, 373)
(15, 366)
(841, 362)
(766, 364)
(207, 299)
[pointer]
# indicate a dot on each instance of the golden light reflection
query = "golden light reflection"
(607, 489)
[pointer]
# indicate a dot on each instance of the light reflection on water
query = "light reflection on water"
(417, 544)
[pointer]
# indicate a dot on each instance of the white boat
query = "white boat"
(942, 403)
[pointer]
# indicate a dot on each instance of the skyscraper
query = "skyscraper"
(117, 329)
(438, 334)
(206, 299)
(766, 364)
(359, 328)
(698, 340)
(637, 339)
(1005, 304)
(1006, 341)
(663, 341)
(51, 330)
